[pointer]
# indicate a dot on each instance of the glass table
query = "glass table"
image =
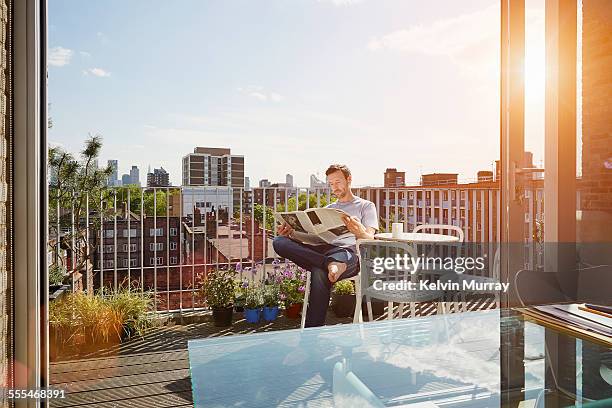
(476, 359)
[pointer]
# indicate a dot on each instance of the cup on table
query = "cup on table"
(397, 229)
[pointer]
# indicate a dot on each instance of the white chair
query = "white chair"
(356, 316)
(368, 250)
(440, 229)
(445, 229)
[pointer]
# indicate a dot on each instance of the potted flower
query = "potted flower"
(292, 288)
(271, 297)
(343, 298)
(219, 289)
(239, 297)
(253, 304)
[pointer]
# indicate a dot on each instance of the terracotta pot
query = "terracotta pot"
(294, 311)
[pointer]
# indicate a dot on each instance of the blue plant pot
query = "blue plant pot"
(270, 313)
(252, 315)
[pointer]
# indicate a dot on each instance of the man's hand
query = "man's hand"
(357, 228)
(334, 270)
(284, 230)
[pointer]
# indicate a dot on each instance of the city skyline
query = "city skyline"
(414, 88)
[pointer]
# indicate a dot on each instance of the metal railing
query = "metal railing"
(161, 239)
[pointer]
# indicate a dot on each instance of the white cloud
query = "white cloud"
(471, 39)
(85, 54)
(99, 72)
(59, 56)
(258, 92)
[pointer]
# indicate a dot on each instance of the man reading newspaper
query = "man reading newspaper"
(337, 260)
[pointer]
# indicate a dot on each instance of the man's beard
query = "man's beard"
(340, 194)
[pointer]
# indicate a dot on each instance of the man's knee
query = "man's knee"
(280, 244)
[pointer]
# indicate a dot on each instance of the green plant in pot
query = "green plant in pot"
(253, 304)
(57, 274)
(218, 290)
(271, 299)
(239, 297)
(343, 298)
(292, 289)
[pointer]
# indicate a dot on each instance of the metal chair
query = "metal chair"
(357, 315)
(368, 251)
(439, 229)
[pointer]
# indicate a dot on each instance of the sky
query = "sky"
(293, 85)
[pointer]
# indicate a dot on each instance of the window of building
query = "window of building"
(159, 246)
(156, 231)
(172, 245)
(160, 261)
(173, 232)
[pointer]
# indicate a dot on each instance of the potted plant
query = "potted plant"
(253, 304)
(271, 297)
(239, 297)
(343, 298)
(292, 288)
(57, 273)
(218, 289)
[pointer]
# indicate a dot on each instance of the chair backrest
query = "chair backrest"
(440, 229)
(370, 253)
(537, 288)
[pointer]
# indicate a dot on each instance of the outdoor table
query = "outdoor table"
(443, 360)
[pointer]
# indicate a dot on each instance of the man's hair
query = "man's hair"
(338, 167)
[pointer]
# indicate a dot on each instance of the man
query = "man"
(330, 263)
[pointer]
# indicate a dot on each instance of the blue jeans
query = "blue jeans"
(315, 258)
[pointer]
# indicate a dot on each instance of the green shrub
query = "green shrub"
(102, 317)
(57, 273)
(218, 288)
(344, 287)
(271, 295)
(254, 298)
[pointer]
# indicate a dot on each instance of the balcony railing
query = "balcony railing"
(162, 239)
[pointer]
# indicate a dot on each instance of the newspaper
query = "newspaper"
(315, 225)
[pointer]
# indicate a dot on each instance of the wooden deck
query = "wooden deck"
(154, 371)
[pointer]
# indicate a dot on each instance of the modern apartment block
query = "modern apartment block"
(212, 166)
(158, 178)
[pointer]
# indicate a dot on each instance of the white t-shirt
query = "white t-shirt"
(364, 210)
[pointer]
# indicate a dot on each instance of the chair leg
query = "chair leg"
(412, 309)
(369, 306)
(400, 310)
(306, 296)
(357, 316)
(389, 310)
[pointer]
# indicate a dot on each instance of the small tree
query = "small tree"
(75, 187)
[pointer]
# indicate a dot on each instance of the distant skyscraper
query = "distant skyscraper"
(158, 178)
(289, 180)
(135, 176)
(264, 183)
(247, 183)
(125, 180)
(113, 179)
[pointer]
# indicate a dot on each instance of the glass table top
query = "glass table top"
(453, 360)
